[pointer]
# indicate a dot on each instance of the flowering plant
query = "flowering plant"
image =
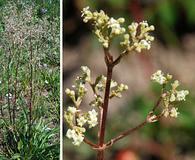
(136, 38)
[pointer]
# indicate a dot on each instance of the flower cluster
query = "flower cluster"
(138, 37)
(73, 116)
(76, 120)
(115, 27)
(169, 96)
(106, 28)
(99, 87)
(76, 136)
(160, 78)
(79, 86)
(117, 92)
(102, 22)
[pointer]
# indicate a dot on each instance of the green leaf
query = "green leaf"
(16, 156)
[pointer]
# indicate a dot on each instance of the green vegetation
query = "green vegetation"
(30, 80)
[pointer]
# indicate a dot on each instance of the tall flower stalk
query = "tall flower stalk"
(136, 38)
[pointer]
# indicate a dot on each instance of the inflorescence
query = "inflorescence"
(170, 96)
(136, 38)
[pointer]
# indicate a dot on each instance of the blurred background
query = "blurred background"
(173, 51)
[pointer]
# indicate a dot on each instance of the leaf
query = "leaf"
(16, 156)
(20, 144)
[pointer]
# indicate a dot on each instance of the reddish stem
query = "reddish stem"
(109, 64)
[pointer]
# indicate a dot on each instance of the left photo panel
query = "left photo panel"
(29, 80)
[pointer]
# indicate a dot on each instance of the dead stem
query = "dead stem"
(15, 88)
(31, 85)
(8, 85)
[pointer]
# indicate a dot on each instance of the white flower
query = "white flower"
(145, 27)
(87, 71)
(126, 41)
(70, 133)
(122, 87)
(81, 89)
(86, 14)
(9, 95)
(169, 77)
(115, 26)
(140, 35)
(175, 84)
(159, 77)
(133, 29)
(102, 83)
(81, 121)
(77, 137)
(174, 113)
(113, 23)
(46, 82)
(72, 110)
(113, 84)
(143, 44)
(182, 94)
(166, 112)
(172, 98)
(69, 92)
(92, 121)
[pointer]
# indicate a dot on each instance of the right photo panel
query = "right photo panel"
(128, 82)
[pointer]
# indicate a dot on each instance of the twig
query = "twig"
(87, 141)
(126, 52)
(125, 133)
(129, 131)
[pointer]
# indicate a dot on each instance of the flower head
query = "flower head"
(72, 110)
(173, 112)
(159, 77)
(181, 95)
(115, 26)
(77, 137)
(81, 120)
(92, 118)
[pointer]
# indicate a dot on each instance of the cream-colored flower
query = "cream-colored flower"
(182, 94)
(159, 77)
(86, 14)
(70, 133)
(69, 92)
(77, 137)
(143, 44)
(115, 26)
(133, 29)
(72, 110)
(166, 112)
(86, 71)
(172, 98)
(81, 120)
(173, 112)
(92, 120)
(175, 84)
